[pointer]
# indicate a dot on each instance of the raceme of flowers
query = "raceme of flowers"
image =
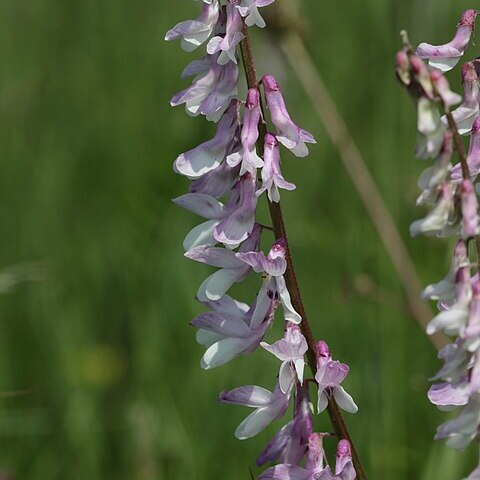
(447, 189)
(228, 175)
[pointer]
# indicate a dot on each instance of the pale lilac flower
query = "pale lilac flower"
(422, 75)
(469, 207)
(445, 289)
(402, 68)
(207, 157)
(428, 121)
(268, 407)
(344, 469)
(313, 468)
(289, 133)
(442, 87)
(330, 374)
(247, 155)
(434, 176)
(437, 219)
(460, 431)
(226, 45)
(249, 10)
(272, 178)
(273, 266)
(453, 319)
(445, 57)
(229, 224)
(226, 331)
(231, 269)
(290, 350)
(473, 156)
(457, 361)
(195, 32)
(429, 145)
(447, 396)
(213, 87)
(289, 444)
(467, 112)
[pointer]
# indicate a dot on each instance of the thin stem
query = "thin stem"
(276, 214)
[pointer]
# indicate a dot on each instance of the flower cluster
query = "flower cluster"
(225, 174)
(449, 192)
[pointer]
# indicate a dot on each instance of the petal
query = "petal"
(322, 403)
(214, 256)
(280, 349)
(206, 338)
(222, 352)
(286, 377)
(215, 286)
(200, 235)
(248, 395)
(222, 323)
(344, 400)
(255, 423)
(286, 472)
(289, 312)
(201, 204)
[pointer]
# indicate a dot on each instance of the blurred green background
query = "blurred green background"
(97, 351)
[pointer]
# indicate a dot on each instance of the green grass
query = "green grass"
(102, 344)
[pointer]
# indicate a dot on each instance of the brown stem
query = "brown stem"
(279, 229)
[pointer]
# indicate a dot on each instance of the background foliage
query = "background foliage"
(101, 346)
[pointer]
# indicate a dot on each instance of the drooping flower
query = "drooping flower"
(290, 350)
(456, 362)
(442, 87)
(445, 57)
(473, 156)
(453, 319)
(330, 374)
(269, 406)
(289, 133)
(434, 176)
(212, 90)
(445, 289)
(313, 468)
(231, 269)
(249, 10)
(470, 333)
(467, 112)
(447, 396)
(226, 44)
(289, 444)
(217, 182)
(437, 219)
(272, 178)
(226, 331)
(273, 266)
(247, 155)
(229, 224)
(344, 469)
(195, 32)
(207, 156)
(469, 207)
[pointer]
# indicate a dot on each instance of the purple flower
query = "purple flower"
(442, 87)
(213, 87)
(445, 289)
(216, 183)
(453, 319)
(290, 350)
(249, 10)
(272, 178)
(434, 176)
(445, 57)
(227, 44)
(232, 270)
(422, 75)
(467, 112)
(226, 331)
(230, 224)
(460, 431)
(330, 374)
(289, 444)
(195, 32)
(437, 219)
(469, 208)
(344, 469)
(457, 361)
(289, 134)
(273, 266)
(247, 155)
(268, 407)
(207, 157)
(314, 467)
(473, 156)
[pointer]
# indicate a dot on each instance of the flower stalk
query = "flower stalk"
(280, 231)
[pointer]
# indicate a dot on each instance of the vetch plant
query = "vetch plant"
(449, 192)
(229, 174)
